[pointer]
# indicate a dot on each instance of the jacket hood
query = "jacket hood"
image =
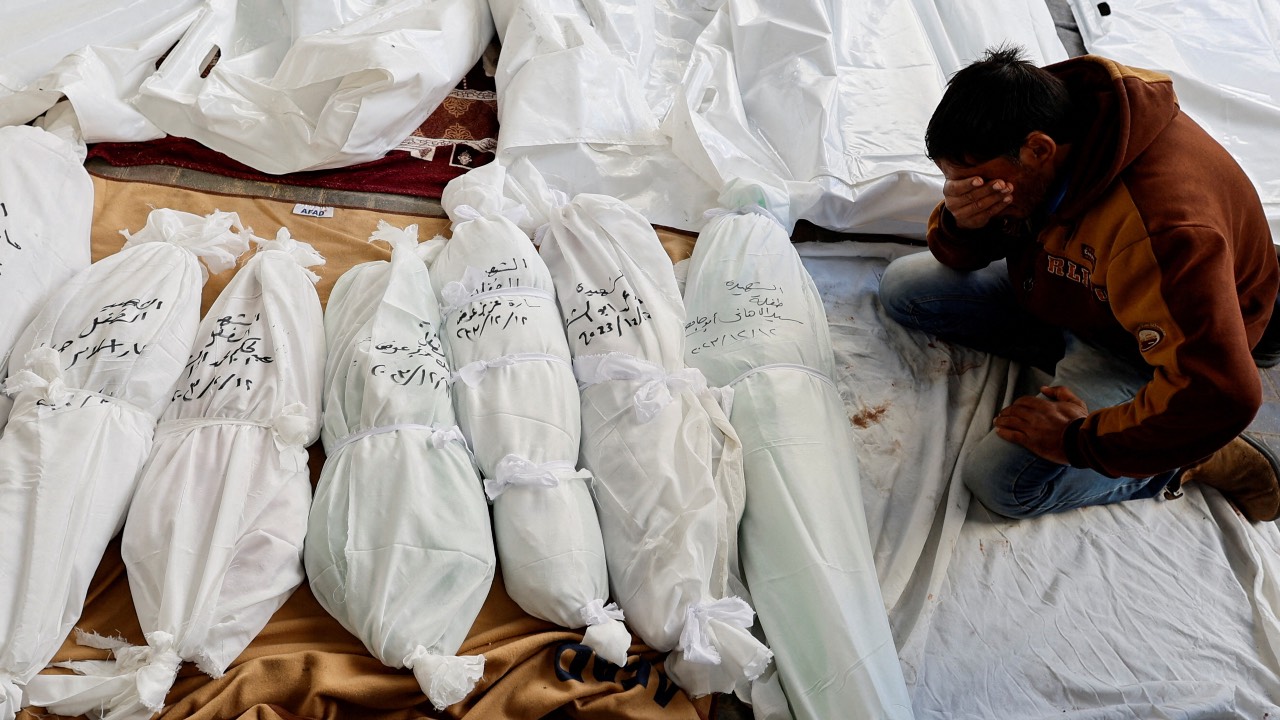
(1121, 110)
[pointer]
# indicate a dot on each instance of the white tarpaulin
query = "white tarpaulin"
(819, 103)
(342, 96)
(669, 495)
(46, 206)
(399, 548)
(756, 324)
(518, 405)
(97, 366)
(89, 55)
(1224, 58)
(279, 85)
(213, 540)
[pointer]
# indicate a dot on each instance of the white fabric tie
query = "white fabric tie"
(209, 238)
(10, 696)
(605, 634)
(440, 436)
(154, 665)
(473, 373)
(597, 613)
(695, 638)
(465, 213)
(406, 237)
(445, 679)
(41, 373)
(743, 210)
(300, 252)
(291, 430)
(514, 470)
(659, 386)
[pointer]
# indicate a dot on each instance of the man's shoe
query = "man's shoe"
(1247, 474)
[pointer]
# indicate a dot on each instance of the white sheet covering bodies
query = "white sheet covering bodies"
(213, 540)
(46, 208)
(668, 506)
(518, 405)
(98, 364)
(399, 547)
(757, 324)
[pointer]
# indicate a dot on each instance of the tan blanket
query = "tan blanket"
(304, 664)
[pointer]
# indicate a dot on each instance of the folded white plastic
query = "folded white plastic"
(46, 207)
(399, 547)
(756, 323)
(213, 540)
(97, 367)
(517, 401)
(333, 97)
(666, 465)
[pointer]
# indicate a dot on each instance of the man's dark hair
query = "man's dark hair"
(991, 105)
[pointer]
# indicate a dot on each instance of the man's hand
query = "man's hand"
(973, 201)
(1037, 423)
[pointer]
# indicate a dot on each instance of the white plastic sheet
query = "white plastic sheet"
(518, 405)
(329, 99)
(213, 540)
(1223, 58)
(46, 207)
(819, 104)
(109, 49)
(666, 464)
(97, 367)
(399, 547)
(756, 324)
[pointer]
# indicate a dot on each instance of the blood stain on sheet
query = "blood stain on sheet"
(868, 416)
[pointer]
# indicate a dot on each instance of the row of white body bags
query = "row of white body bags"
(93, 371)
(399, 547)
(666, 464)
(213, 541)
(518, 404)
(757, 325)
(46, 209)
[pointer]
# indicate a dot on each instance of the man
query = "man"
(1091, 228)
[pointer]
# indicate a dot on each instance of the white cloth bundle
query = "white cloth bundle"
(213, 540)
(98, 366)
(757, 324)
(46, 208)
(518, 404)
(399, 547)
(668, 506)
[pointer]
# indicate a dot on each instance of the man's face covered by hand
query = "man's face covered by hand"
(1003, 187)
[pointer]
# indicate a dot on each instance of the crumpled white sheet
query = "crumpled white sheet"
(1224, 58)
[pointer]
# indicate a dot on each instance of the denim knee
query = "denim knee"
(996, 472)
(900, 286)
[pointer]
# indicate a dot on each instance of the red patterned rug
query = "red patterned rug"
(460, 134)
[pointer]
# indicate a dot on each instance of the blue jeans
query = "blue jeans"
(977, 309)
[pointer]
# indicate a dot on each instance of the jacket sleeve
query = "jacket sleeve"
(1176, 295)
(961, 249)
